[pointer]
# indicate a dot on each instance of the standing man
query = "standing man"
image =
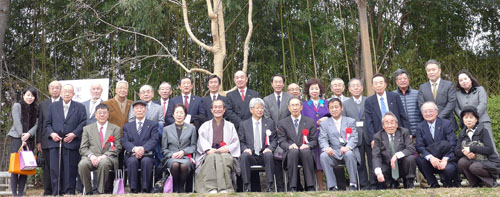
(119, 106)
(338, 141)
(258, 141)
(393, 154)
(337, 86)
(140, 137)
(99, 153)
(240, 98)
(439, 91)
(95, 93)
(409, 99)
(214, 82)
(354, 107)
(64, 128)
(42, 139)
(164, 90)
(436, 141)
(154, 111)
(294, 89)
(297, 137)
(276, 109)
(194, 104)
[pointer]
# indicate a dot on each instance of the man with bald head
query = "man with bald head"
(64, 127)
(42, 140)
(95, 93)
(119, 106)
(154, 111)
(240, 98)
(294, 90)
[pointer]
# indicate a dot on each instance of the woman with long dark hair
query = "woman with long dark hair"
(24, 114)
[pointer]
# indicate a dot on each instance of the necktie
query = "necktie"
(242, 94)
(296, 124)
(383, 109)
(92, 106)
(140, 128)
(101, 136)
(279, 101)
(215, 98)
(257, 145)
(66, 107)
(164, 108)
(186, 103)
(394, 172)
(434, 90)
(431, 128)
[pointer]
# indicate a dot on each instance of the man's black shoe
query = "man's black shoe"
(353, 188)
(435, 185)
(410, 184)
(270, 187)
(310, 189)
(246, 187)
(332, 189)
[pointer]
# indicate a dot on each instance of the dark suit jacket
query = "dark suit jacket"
(207, 106)
(42, 118)
(353, 110)
(239, 107)
(245, 133)
(73, 123)
(90, 117)
(373, 115)
(195, 108)
(446, 99)
(382, 149)
(287, 135)
(443, 131)
(148, 138)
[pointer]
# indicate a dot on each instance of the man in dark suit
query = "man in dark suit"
(436, 142)
(64, 128)
(297, 137)
(139, 139)
(95, 93)
(213, 86)
(258, 141)
(440, 91)
(393, 154)
(194, 104)
(354, 107)
(42, 144)
(240, 98)
(164, 90)
(99, 150)
(276, 109)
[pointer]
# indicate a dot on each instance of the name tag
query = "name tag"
(359, 123)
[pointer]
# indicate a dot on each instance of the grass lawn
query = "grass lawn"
(476, 192)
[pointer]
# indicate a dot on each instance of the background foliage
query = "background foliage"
(56, 39)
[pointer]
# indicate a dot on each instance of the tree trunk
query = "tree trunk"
(365, 46)
(4, 22)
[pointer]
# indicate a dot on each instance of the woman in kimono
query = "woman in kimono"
(178, 145)
(317, 109)
(217, 150)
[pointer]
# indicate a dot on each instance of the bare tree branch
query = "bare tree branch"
(249, 35)
(188, 28)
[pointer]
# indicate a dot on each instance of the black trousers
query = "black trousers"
(266, 160)
(304, 157)
(47, 187)
(364, 176)
(446, 175)
(69, 170)
(407, 168)
(278, 172)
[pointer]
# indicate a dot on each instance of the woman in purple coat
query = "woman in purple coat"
(317, 109)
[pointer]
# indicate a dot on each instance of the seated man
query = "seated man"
(139, 139)
(297, 137)
(393, 152)
(258, 141)
(218, 144)
(99, 149)
(435, 142)
(338, 140)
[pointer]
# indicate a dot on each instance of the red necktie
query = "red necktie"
(164, 107)
(101, 136)
(242, 94)
(186, 103)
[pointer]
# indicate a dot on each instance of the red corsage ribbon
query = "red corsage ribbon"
(305, 133)
(190, 156)
(348, 132)
(111, 140)
(222, 144)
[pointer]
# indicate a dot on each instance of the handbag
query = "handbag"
(14, 164)
(118, 187)
(27, 159)
(168, 187)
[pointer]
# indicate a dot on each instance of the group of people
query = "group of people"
(216, 140)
